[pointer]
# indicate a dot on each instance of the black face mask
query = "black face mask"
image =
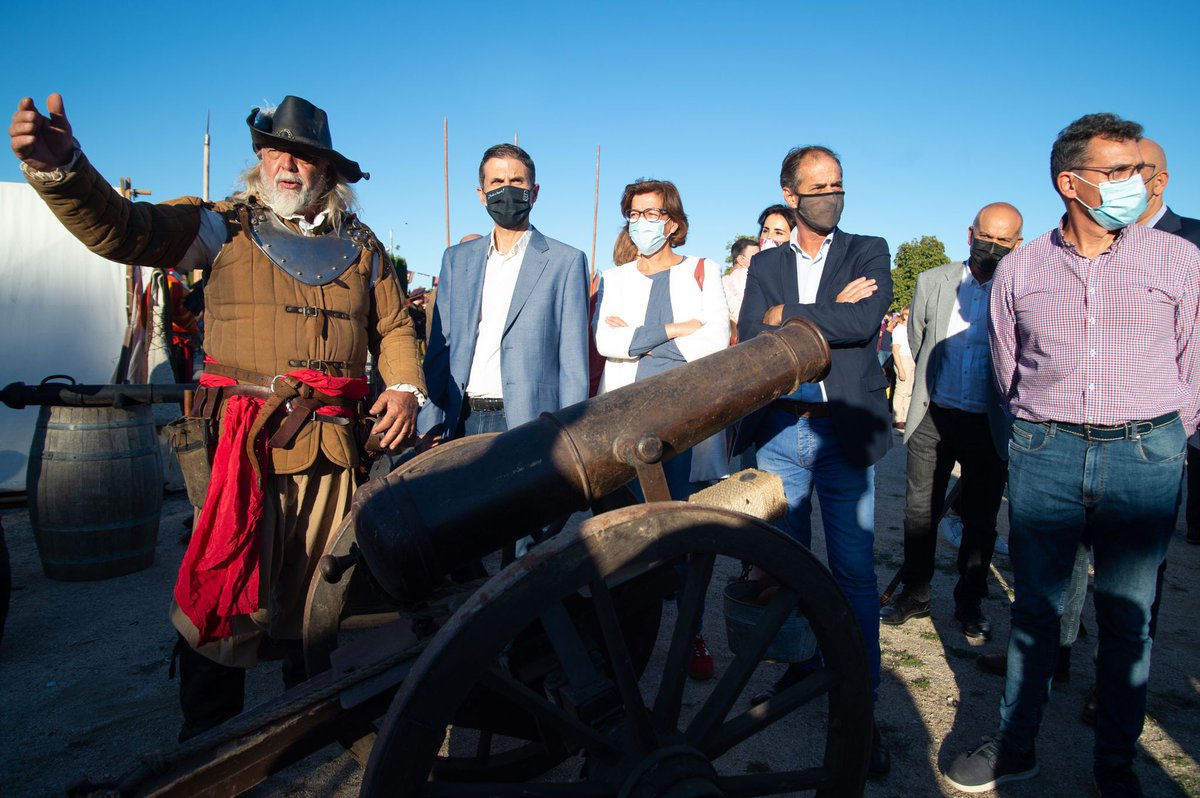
(985, 256)
(821, 212)
(509, 206)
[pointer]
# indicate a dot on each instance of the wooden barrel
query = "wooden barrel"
(95, 488)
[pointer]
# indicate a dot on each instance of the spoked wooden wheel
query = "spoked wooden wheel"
(507, 740)
(637, 737)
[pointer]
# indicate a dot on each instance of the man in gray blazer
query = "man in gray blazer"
(509, 334)
(955, 415)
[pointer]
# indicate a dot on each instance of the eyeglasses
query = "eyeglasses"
(649, 214)
(1122, 172)
(1004, 242)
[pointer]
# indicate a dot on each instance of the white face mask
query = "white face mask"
(649, 237)
(765, 243)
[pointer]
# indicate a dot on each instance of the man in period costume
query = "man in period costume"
(298, 291)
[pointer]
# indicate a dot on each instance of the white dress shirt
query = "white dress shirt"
(499, 281)
(966, 367)
(735, 289)
(808, 278)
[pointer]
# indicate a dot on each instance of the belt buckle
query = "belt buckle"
(314, 312)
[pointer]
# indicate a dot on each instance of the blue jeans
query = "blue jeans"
(805, 453)
(1122, 497)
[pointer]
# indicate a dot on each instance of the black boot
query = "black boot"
(292, 667)
(209, 693)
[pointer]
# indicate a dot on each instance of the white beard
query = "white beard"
(287, 202)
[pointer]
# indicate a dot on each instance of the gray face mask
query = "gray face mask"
(821, 212)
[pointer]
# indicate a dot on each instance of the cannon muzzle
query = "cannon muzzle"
(472, 496)
(18, 395)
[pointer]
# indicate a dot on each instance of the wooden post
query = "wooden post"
(446, 173)
(595, 211)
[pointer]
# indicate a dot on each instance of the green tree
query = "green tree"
(912, 258)
(401, 266)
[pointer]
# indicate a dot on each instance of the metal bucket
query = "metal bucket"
(794, 642)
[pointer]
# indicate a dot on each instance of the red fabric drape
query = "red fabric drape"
(219, 576)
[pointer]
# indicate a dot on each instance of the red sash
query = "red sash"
(219, 577)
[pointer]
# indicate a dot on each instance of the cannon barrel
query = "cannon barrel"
(472, 496)
(18, 395)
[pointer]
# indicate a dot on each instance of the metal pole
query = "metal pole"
(207, 119)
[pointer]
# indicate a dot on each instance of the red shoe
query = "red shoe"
(700, 662)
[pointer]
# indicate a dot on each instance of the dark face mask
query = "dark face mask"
(821, 212)
(985, 256)
(509, 206)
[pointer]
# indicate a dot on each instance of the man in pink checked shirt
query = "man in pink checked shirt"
(1094, 345)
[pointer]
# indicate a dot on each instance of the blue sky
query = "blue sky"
(935, 108)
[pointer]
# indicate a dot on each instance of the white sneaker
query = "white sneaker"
(951, 529)
(1001, 546)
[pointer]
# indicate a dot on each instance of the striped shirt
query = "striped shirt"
(1101, 341)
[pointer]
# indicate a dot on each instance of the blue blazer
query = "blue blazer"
(544, 347)
(856, 386)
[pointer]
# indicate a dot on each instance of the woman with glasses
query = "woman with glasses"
(660, 310)
(657, 311)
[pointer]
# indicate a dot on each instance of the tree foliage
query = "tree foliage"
(912, 258)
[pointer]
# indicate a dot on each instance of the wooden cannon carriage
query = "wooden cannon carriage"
(480, 687)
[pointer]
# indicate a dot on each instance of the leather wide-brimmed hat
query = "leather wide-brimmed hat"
(298, 124)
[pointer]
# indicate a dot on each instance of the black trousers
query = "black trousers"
(211, 693)
(943, 437)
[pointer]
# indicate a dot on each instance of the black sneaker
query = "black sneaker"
(1118, 782)
(990, 765)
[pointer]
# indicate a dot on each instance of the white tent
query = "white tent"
(62, 311)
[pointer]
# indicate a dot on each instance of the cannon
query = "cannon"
(444, 680)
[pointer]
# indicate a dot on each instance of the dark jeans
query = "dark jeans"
(943, 437)
(1123, 497)
(1192, 514)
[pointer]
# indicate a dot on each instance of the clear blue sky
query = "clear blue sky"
(935, 108)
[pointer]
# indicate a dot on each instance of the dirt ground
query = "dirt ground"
(84, 687)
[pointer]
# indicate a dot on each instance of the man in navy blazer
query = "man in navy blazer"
(1160, 217)
(509, 335)
(828, 435)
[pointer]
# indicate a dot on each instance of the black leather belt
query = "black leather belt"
(804, 409)
(1114, 432)
(479, 404)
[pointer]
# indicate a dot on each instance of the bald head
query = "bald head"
(995, 232)
(469, 237)
(999, 217)
(1155, 175)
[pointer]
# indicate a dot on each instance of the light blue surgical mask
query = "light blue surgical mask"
(1121, 201)
(649, 237)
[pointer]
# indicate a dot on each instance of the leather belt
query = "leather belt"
(481, 404)
(957, 410)
(804, 409)
(309, 311)
(1114, 432)
(319, 365)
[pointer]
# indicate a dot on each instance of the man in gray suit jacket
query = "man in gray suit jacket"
(955, 415)
(509, 334)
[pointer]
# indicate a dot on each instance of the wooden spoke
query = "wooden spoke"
(670, 692)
